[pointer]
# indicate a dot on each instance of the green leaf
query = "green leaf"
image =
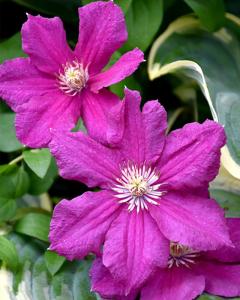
(187, 48)
(38, 161)
(71, 282)
(14, 182)
(53, 261)
(124, 4)
(11, 48)
(8, 253)
(211, 13)
(7, 209)
(8, 140)
(35, 225)
(129, 82)
(210, 297)
(42, 185)
(143, 20)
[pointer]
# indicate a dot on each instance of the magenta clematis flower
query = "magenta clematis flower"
(153, 190)
(54, 86)
(189, 273)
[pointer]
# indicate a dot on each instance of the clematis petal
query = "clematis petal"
(229, 254)
(102, 283)
(123, 68)
(155, 124)
(38, 116)
(134, 247)
(222, 280)
(171, 284)
(192, 221)
(143, 137)
(102, 31)
(81, 158)
(102, 114)
(44, 40)
(79, 226)
(20, 80)
(191, 156)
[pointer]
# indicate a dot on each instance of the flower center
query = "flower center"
(181, 255)
(73, 79)
(137, 187)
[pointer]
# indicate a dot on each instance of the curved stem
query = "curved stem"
(16, 160)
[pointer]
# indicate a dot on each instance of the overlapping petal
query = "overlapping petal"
(191, 156)
(81, 158)
(102, 282)
(172, 284)
(221, 279)
(192, 221)
(229, 254)
(20, 80)
(36, 118)
(102, 31)
(78, 227)
(124, 67)
(44, 40)
(134, 247)
(97, 110)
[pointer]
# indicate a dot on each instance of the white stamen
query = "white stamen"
(137, 187)
(181, 255)
(73, 78)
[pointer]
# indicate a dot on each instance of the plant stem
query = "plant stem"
(16, 160)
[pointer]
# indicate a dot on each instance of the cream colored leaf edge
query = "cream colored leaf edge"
(156, 70)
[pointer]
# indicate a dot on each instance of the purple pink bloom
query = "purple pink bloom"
(55, 85)
(189, 273)
(153, 189)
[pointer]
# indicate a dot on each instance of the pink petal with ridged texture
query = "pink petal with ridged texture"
(102, 114)
(36, 118)
(192, 221)
(229, 254)
(20, 80)
(221, 280)
(102, 31)
(155, 125)
(81, 158)
(78, 227)
(134, 247)
(191, 156)
(44, 40)
(173, 284)
(144, 132)
(102, 283)
(123, 68)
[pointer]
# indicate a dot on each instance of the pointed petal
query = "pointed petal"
(134, 247)
(222, 280)
(44, 40)
(102, 31)
(20, 80)
(229, 254)
(81, 158)
(38, 116)
(171, 284)
(103, 283)
(191, 156)
(102, 114)
(123, 68)
(78, 227)
(144, 136)
(192, 221)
